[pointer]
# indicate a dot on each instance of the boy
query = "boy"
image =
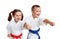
(35, 21)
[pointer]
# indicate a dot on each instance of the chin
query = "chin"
(37, 16)
(17, 20)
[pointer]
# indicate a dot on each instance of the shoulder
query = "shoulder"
(21, 23)
(27, 18)
(10, 23)
(42, 18)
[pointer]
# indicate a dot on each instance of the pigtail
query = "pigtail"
(10, 16)
(22, 15)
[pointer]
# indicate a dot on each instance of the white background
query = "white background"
(50, 10)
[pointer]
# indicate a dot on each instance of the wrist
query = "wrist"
(9, 35)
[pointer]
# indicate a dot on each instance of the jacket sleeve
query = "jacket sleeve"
(8, 29)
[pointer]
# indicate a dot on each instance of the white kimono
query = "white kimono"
(34, 23)
(15, 28)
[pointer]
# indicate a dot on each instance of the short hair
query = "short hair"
(34, 6)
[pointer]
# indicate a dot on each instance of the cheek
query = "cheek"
(37, 14)
(20, 17)
(15, 18)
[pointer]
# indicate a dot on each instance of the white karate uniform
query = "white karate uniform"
(34, 23)
(15, 28)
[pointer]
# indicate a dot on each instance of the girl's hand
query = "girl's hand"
(9, 35)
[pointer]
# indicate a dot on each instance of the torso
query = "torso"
(34, 23)
(16, 28)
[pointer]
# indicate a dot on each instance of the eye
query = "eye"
(16, 15)
(20, 15)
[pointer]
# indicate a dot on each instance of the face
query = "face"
(36, 11)
(17, 16)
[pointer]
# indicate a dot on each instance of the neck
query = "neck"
(16, 21)
(34, 16)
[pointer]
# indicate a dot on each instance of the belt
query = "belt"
(35, 32)
(14, 36)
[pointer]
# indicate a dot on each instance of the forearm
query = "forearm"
(46, 21)
(49, 22)
(27, 26)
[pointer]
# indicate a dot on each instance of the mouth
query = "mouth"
(38, 14)
(18, 19)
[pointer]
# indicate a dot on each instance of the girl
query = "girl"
(16, 26)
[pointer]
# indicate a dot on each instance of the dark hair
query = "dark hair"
(12, 13)
(34, 6)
